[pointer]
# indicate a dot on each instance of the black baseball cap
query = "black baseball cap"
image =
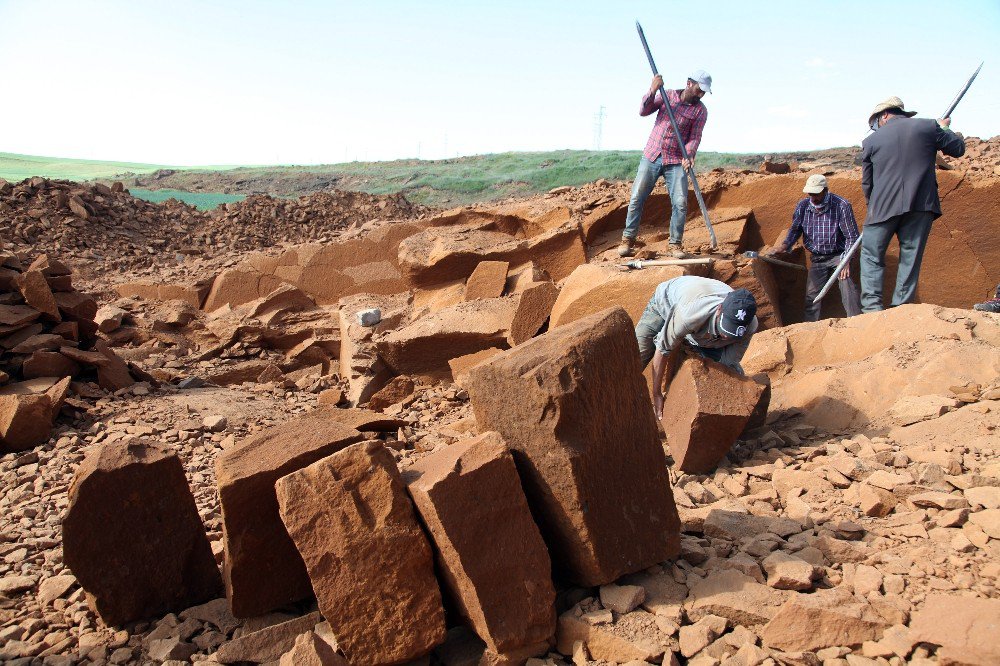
(738, 310)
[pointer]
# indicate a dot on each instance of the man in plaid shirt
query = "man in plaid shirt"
(828, 229)
(662, 156)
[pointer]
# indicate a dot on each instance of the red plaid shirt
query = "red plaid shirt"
(690, 121)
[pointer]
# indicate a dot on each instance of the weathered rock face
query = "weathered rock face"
(263, 570)
(704, 411)
(25, 421)
(369, 561)
(845, 392)
(132, 535)
(573, 443)
(492, 557)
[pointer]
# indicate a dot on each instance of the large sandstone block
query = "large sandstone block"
(132, 535)
(263, 570)
(424, 347)
(438, 255)
(705, 409)
(492, 558)
(584, 439)
(369, 562)
(592, 287)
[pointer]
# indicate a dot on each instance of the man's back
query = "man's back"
(898, 167)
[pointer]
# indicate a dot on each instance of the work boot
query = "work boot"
(677, 253)
(992, 305)
(627, 247)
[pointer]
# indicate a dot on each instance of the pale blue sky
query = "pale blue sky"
(253, 82)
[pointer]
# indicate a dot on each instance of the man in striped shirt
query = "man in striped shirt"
(662, 156)
(828, 229)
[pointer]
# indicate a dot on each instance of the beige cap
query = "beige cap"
(891, 103)
(815, 184)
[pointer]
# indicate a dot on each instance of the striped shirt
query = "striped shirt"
(830, 230)
(690, 121)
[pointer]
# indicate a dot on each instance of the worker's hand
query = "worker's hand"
(686, 163)
(944, 122)
(657, 82)
(658, 405)
(845, 274)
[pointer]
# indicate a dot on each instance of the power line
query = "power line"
(599, 127)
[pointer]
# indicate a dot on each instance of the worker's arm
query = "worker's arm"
(947, 141)
(651, 101)
(793, 234)
(664, 369)
(659, 366)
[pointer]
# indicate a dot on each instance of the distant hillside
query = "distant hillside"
(438, 183)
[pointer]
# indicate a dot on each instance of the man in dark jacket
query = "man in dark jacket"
(899, 183)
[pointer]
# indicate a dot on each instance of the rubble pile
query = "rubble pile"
(430, 441)
(260, 221)
(95, 224)
(48, 337)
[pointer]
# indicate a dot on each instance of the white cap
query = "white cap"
(815, 184)
(703, 79)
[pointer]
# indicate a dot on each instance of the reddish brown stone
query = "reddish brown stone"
(706, 408)
(461, 365)
(574, 444)
(25, 421)
(397, 390)
(486, 281)
(48, 364)
(75, 305)
(362, 419)
(17, 315)
(263, 570)
(368, 560)
(492, 557)
(37, 294)
(49, 267)
(112, 375)
(132, 535)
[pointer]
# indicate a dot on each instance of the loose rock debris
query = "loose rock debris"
(477, 478)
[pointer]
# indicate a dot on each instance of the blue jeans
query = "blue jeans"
(912, 230)
(677, 185)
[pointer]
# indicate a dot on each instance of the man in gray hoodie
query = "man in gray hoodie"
(713, 319)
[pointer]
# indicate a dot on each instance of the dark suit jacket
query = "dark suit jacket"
(897, 165)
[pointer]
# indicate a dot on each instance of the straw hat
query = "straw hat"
(891, 103)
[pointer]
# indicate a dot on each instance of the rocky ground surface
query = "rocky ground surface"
(864, 529)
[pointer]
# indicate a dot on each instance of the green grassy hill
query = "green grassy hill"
(439, 183)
